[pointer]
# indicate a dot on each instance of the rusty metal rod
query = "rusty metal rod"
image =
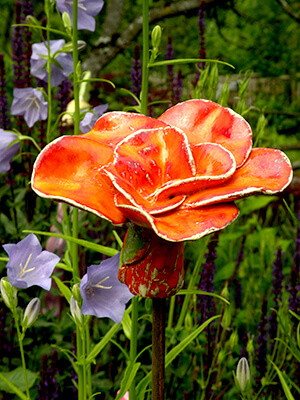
(158, 348)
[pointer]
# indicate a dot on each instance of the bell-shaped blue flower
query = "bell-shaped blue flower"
(102, 292)
(7, 153)
(87, 9)
(91, 117)
(30, 103)
(60, 70)
(28, 265)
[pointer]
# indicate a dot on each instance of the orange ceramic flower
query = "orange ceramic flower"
(177, 175)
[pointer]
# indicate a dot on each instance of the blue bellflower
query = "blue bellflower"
(87, 9)
(90, 118)
(7, 153)
(28, 265)
(102, 292)
(38, 63)
(30, 103)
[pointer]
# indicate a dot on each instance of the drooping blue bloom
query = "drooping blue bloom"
(87, 9)
(90, 118)
(7, 153)
(38, 63)
(28, 265)
(102, 292)
(30, 103)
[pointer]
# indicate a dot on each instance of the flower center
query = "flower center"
(90, 289)
(23, 270)
(80, 4)
(34, 102)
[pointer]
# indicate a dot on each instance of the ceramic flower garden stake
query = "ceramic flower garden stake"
(174, 179)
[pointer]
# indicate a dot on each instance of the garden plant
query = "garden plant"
(149, 250)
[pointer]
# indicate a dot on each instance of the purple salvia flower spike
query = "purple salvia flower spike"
(261, 340)
(4, 115)
(28, 265)
(18, 50)
(277, 295)
(102, 292)
(136, 73)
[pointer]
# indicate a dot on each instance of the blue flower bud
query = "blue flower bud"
(243, 373)
(31, 312)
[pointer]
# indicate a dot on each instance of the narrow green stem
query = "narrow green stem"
(20, 340)
(145, 70)
(79, 368)
(74, 246)
(76, 130)
(171, 312)
(88, 367)
(48, 132)
(133, 341)
(75, 62)
(84, 375)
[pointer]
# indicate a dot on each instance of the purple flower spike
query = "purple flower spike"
(37, 63)
(90, 118)
(102, 292)
(87, 9)
(28, 265)
(7, 153)
(30, 103)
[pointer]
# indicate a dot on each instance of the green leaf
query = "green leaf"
(128, 378)
(13, 381)
(186, 61)
(201, 292)
(103, 342)
(285, 387)
(126, 325)
(142, 386)
(63, 288)
(108, 251)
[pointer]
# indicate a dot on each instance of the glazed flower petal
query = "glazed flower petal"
(115, 126)
(204, 121)
(76, 176)
(182, 224)
(146, 160)
(266, 170)
(214, 165)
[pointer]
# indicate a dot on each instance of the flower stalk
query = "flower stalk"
(158, 348)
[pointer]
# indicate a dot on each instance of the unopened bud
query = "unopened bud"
(76, 292)
(67, 21)
(250, 347)
(233, 340)
(226, 319)
(75, 311)
(8, 293)
(188, 322)
(225, 291)
(156, 37)
(243, 374)
(31, 312)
